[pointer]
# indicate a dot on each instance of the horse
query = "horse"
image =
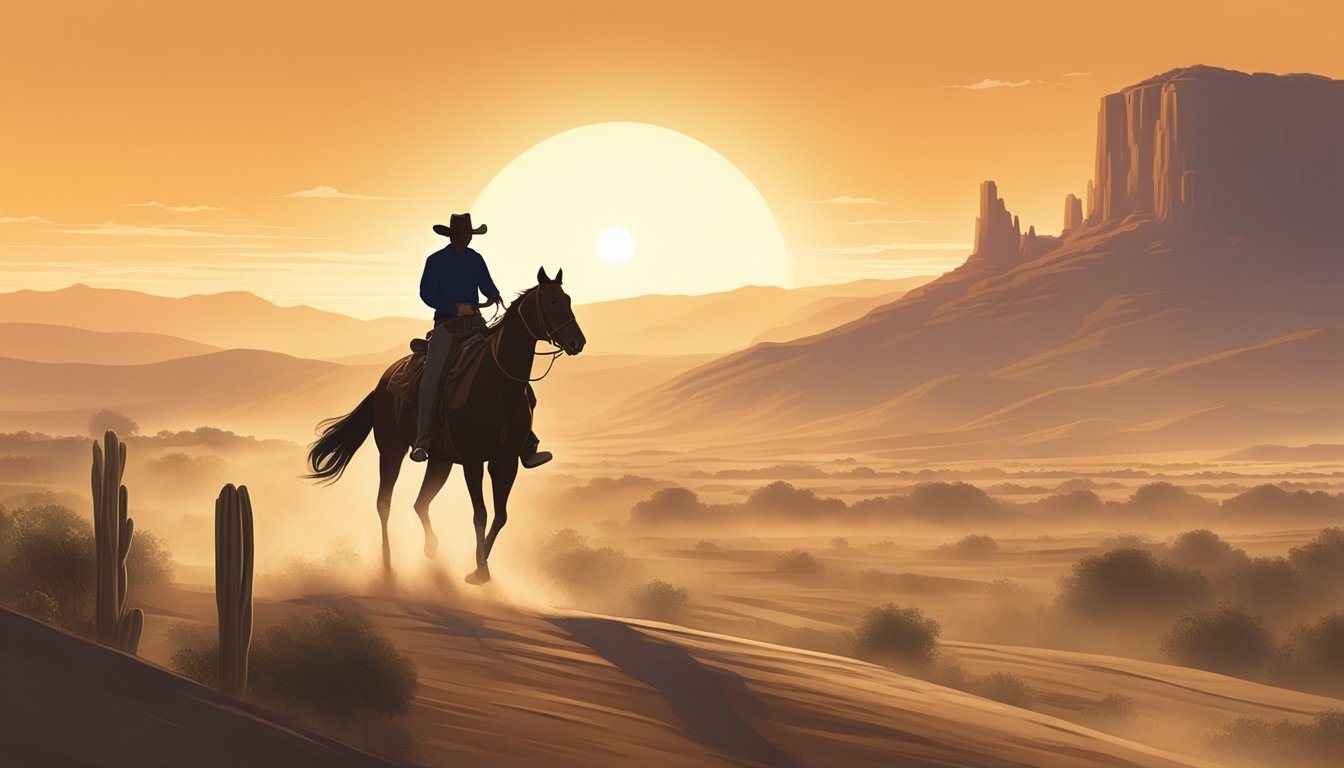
(490, 429)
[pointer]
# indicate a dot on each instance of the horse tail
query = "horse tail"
(339, 439)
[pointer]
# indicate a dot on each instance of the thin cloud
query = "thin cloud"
(988, 83)
(847, 200)
(24, 220)
(884, 221)
(173, 208)
(113, 228)
(869, 250)
(1077, 74)
(331, 193)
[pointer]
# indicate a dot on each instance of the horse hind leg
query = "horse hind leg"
(436, 474)
(389, 467)
(474, 474)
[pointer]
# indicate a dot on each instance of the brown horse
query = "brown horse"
(490, 428)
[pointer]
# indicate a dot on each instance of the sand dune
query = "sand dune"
(508, 686)
(68, 701)
(1176, 706)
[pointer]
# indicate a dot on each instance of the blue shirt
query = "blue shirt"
(450, 280)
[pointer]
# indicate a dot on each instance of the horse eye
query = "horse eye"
(552, 301)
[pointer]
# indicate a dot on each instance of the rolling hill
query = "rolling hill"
(41, 343)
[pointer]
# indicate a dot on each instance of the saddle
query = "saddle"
(468, 354)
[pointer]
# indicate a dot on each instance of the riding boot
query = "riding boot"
(530, 456)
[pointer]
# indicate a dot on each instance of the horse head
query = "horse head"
(555, 314)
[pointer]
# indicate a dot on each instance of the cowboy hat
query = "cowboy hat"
(459, 224)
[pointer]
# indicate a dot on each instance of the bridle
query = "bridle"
(548, 337)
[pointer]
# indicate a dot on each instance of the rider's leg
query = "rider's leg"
(436, 360)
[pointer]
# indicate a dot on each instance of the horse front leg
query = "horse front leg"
(475, 474)
(502, 474)
(436, 474)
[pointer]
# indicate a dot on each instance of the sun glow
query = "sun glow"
(616, 245)
(702, 225)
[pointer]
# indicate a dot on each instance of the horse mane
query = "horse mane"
(518, 297)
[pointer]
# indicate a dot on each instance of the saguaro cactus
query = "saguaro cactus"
(112, 532)
(233, 586)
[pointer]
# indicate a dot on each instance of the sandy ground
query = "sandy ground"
(503, 685)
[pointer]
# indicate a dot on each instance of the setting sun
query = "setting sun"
(702, 225)
(615, 245)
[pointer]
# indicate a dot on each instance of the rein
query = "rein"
(548, 338)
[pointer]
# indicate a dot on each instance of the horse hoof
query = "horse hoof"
(431, 548)
(478, 577)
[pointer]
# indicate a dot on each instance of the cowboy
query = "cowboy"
(452, 278)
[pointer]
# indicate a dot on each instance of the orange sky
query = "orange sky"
(233, 106)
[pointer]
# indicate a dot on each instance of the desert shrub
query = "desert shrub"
(707, 546)
(49, 549)
(1008, 592)
(971, 547)
(1132, 541)
(1322, 559)
(781, 499)
(1003, 687)
(1127, 583)
(609, 494)
(1077, 502)
(952, 502)
(331, 669)
(1113, 711)
(839, 542)
(1317, 655)
(40, 606)
(332, 664)
(1254, 741)
(198, 662)
(944, 671)
(797, 561)
(660, 600)
(1165, 500)
(339, 571)
(891, 580)
(896, 636)
(885, 545)
(1204, 550)
(670, 506)
(1271, 500)
(1271, 586)
(104, 420)
(1229, 640)
(148, 566)
(590, 575)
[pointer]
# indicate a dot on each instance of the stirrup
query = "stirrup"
(535, 459)
(420, 452)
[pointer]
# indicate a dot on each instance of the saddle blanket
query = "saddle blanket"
(404, 382)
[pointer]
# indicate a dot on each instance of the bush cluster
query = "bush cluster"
(47, 565)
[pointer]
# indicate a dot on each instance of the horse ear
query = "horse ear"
(560, 276)
(542, 279)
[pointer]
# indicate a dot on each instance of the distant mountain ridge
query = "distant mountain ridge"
(1141, 283)
(235, 319)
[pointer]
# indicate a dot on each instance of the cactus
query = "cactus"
(112, 533)
(233, 586)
